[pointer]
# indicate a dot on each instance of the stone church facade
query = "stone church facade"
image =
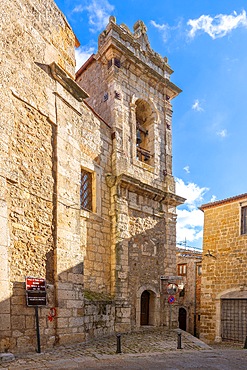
(87, 193)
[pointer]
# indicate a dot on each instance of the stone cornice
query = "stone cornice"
(149, 191)
(135, 48)
(132, 40)
(114, 43)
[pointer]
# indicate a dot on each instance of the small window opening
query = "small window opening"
(86, 190)
(117, 95)
(182, 269)
(244, 220)
(117, 62)
(199, 270)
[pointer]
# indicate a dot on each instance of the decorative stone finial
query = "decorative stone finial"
(112, 19)
(139, 28)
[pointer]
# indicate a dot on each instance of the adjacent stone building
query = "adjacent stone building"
(189, 267)
(88, 197)
(224, 278)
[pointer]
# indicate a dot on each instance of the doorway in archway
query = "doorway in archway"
(145, 301)
(182, 318)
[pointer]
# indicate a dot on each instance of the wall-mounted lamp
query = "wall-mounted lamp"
(209, 254)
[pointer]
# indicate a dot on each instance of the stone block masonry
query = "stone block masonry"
(223, 287)
(47, 135)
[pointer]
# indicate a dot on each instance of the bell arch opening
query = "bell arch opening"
(145, 118)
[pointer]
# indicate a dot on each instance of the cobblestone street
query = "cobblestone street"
(146, 349)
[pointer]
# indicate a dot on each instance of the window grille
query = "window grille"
(86, 190)
(244, 220)
(234, 320)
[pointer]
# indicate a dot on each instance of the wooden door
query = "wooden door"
(145, 300)
(182, 318)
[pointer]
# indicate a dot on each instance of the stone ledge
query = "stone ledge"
(70, 85)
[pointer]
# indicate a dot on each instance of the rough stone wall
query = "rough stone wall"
(145, 251)
(224, 262)
(94, 81)
(96, 147)
(149, 256)
(30, 205)
(31, 197)
(99, 317)
(47, 135)
(31, 32)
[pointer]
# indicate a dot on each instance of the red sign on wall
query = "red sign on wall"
(36, 291)
(35, 284)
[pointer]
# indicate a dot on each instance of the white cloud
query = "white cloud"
(190, 218)
(219, 26)
(222, 133)
(163, 28)
(197, 106)
(82, 54)
(192, 192)
(187, 169)
(213, 199)
(98, 11)
(189, 225)
(78, 9)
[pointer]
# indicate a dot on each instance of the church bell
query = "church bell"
(138, 137)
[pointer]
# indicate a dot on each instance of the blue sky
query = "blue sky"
(205, 42)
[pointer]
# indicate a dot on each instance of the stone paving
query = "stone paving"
(146, 341)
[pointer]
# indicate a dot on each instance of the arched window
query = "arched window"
(144, 132)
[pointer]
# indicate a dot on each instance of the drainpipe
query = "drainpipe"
(195, 299)
(55, 210)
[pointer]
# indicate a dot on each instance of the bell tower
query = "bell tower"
(130, 88)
